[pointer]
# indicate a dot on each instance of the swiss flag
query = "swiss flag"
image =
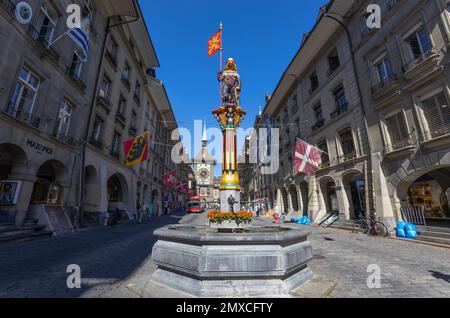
(170, 179)
(307, 158)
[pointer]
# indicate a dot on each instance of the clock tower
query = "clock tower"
(204, 165)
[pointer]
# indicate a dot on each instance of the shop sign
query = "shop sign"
(40, 148)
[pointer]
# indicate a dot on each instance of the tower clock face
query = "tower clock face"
(203, 174)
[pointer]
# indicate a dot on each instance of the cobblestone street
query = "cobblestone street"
(115, 260)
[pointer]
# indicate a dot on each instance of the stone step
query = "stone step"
(433, 229)
(428, 233)
(11, 224)
(22, 237)
(431, 239)
(20, 230)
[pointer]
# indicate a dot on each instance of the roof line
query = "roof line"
(297, 54)
(138, 6)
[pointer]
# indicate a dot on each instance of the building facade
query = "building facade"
(376, 104)
(46, 113)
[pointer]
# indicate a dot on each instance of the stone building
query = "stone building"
(386, 141)
(46, 97)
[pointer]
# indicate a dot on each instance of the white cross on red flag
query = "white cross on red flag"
(170, 179)
(307, 158)
(182, 187)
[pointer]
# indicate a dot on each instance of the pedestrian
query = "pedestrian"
(149, 209)
(138, 211)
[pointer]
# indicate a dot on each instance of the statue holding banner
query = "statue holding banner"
(231, 84)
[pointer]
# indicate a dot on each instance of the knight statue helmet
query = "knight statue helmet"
(231, 65)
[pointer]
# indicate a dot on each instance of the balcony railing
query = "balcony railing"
(384, 83)
(76, 78)
(120, 116)
(24, 116)
(115, 154)
(341, 109)
(104, 101)
(40, 39)
(436, 132)
(347, 157)
(391, 4)
(126, 82)
(132, 130)
(137, 99)
(320, 123)
(416, 61)
(9, 7)
(397, 145)
(111, 58)
(65, 138)
(96, 143)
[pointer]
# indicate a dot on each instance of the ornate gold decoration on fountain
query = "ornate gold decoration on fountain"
(230, 181)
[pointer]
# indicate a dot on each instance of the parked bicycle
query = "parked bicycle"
(371, 226)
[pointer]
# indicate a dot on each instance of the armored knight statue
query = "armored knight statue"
(231, 83)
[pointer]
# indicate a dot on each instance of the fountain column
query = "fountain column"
(229, 116)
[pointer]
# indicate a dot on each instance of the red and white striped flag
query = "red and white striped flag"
(307, 158)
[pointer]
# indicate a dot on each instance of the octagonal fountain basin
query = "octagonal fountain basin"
(249, 262)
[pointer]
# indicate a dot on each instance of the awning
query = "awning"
(123, 8)
(131, 9)
(161, 99)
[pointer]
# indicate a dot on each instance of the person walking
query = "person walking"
(149, 210)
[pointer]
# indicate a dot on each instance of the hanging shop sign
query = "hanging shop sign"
(24, 12)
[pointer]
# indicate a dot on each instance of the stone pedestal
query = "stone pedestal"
(259, 262)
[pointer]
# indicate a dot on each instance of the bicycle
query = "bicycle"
(371, 226)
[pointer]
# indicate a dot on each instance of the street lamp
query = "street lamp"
(363, 110)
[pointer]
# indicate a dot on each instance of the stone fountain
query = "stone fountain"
(231, 259)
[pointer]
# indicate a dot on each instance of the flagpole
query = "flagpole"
(221, 59)
(65, 33)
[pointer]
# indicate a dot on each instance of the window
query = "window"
(126, 72)
(112, 48)
(24, 93)
(318, 112)
(437, 114)
(64, 116)
(314, 81)
(348, 146)
(133, 120)
(418, 44)
(88, 9)
(323, 145)
(98, 127)
(122, 106)
(76, 65)
(384, 71)
(137, 90)
(333, 62)
(341, 100)
(104, 87)
(47, 26)
(115, 147)
(398, 133)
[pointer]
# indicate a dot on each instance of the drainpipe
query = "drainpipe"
(91, 112)
(370, 202)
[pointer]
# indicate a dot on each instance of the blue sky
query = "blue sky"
(261, 35)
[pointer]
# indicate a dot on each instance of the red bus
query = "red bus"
(195, 205)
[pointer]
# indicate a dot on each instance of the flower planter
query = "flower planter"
(230, 220)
